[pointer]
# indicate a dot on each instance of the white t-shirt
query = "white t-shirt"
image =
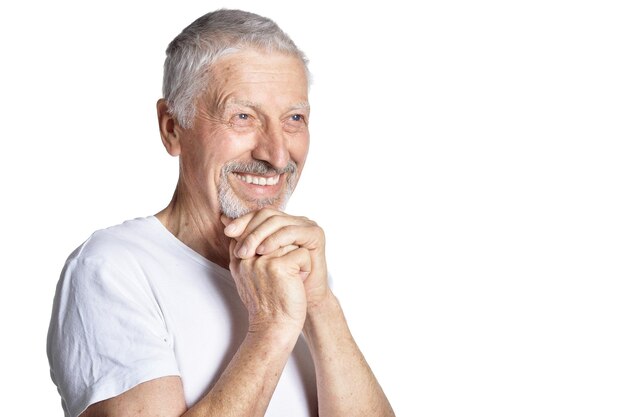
(134, 303)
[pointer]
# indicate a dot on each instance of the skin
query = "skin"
(277, 260)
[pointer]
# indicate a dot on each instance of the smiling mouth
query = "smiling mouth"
(257, 180)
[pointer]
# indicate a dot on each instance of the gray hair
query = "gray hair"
(191, 54)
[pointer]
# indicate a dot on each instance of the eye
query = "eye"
(241, 120)
(295, 123)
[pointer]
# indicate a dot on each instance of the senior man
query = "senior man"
(219, 304)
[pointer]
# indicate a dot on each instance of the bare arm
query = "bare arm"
(279, 266)
(271, 287)
(247, 385)
(244, 389)
(346, 385)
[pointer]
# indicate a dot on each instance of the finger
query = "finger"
(260, 228)
(226, 220)
(260, 217)
(231, 250)
(234, 227)
(283, 250)
(308, 236)
(299, 261)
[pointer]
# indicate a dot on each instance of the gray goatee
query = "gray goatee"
(233, 206)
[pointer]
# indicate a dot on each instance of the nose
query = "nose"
(272, 147)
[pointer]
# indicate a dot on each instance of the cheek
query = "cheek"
(215, 146)
(195, 155)
(198, 161)
(237, 146)
(299, 149)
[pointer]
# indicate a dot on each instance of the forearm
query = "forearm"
(246, 386)
(345, 383)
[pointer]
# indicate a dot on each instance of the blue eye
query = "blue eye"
(242, 120)
(295, 123)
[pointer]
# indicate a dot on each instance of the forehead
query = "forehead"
(250, 61)
(251, 75)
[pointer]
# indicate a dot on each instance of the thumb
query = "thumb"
(300, 258)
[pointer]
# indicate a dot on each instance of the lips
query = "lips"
(257, 180)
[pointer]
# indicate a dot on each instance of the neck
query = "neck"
(198, 227)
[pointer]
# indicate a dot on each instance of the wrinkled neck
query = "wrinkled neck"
(197, 226)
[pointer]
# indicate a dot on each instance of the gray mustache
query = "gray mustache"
(258, 167)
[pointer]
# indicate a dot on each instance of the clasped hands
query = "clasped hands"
(279, 266)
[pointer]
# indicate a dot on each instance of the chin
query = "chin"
(232, 207)
(234, 204)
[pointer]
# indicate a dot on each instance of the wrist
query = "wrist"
(276, 335)
(321, 313)
(322, 303)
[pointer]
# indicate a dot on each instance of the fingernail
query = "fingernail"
(230, 229)
(243, 251)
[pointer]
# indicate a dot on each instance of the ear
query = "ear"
(169, 129)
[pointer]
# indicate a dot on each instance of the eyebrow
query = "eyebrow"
(244, 103)
(301, 106)
(253, 105)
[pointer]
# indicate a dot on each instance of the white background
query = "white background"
(467, 164)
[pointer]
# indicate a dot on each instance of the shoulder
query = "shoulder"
(117, 244)
(118, 239)
(117, 253)
(107, 271)
(106, 322)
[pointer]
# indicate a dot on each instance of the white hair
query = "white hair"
(190, 55)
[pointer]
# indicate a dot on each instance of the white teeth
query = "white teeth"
(251, 179)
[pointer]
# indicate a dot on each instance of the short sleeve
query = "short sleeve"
(107, 334)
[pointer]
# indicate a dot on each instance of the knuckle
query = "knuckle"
(274, 266)
(316, 230)
(275, 217)
(309, 222)
(244, 266)
(253, 236)
(302, 252)
(258, 266)
(270, 241)
(271, 221)
(267, 212)
(321, 236)
(289, 229)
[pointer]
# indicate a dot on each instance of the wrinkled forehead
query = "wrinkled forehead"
(254, 76)
(238, 62)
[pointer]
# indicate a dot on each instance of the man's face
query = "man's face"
(250, 136)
